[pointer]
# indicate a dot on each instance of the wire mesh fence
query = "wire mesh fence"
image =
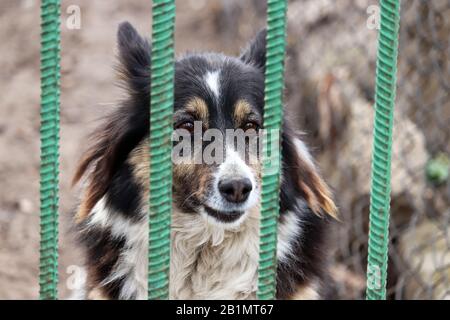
(334, 56)
(330, 81)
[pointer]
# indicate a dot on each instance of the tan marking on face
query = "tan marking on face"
(198, 107)
(203, 174)
(241, 112)
(183, 169)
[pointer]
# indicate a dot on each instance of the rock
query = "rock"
(425, 249)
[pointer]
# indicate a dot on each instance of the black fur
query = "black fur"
(255, 54)
(124, 194)
(103, 252)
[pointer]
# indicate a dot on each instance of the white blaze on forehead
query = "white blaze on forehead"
(212, 81)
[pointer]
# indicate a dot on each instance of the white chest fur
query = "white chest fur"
(209, 262)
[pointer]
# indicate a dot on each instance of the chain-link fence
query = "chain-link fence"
(330, 90)
(333, 55)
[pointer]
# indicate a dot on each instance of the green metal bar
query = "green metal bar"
(382, 142)
(49, 172)
(273, 114)
(161, 110)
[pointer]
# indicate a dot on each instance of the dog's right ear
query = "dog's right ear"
(124, 128)
(134, 59)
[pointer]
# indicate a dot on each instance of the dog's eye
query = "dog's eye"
(187, 125)
(250, 126)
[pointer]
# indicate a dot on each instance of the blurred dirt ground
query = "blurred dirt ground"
(329, 95)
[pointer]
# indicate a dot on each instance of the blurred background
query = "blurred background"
(329, 96)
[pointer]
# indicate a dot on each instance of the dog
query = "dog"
(216, 207)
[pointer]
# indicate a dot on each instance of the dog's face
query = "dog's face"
(218, 109)
(219, 98)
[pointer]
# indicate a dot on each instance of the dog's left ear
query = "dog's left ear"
(255, 53)
(301, 174)
(123, 129)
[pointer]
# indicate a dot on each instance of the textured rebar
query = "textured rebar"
(381, 156)
(161, 109)
(50, 105)
(273, 114)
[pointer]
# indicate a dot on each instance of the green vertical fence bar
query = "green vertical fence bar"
(161, 109)
(382, 142)
(273, 114)
(49, 181)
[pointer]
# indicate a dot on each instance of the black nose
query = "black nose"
(235, 190)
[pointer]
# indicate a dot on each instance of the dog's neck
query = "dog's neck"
(209, 261)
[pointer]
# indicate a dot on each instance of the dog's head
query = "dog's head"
(219, 109)
(218, 115)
